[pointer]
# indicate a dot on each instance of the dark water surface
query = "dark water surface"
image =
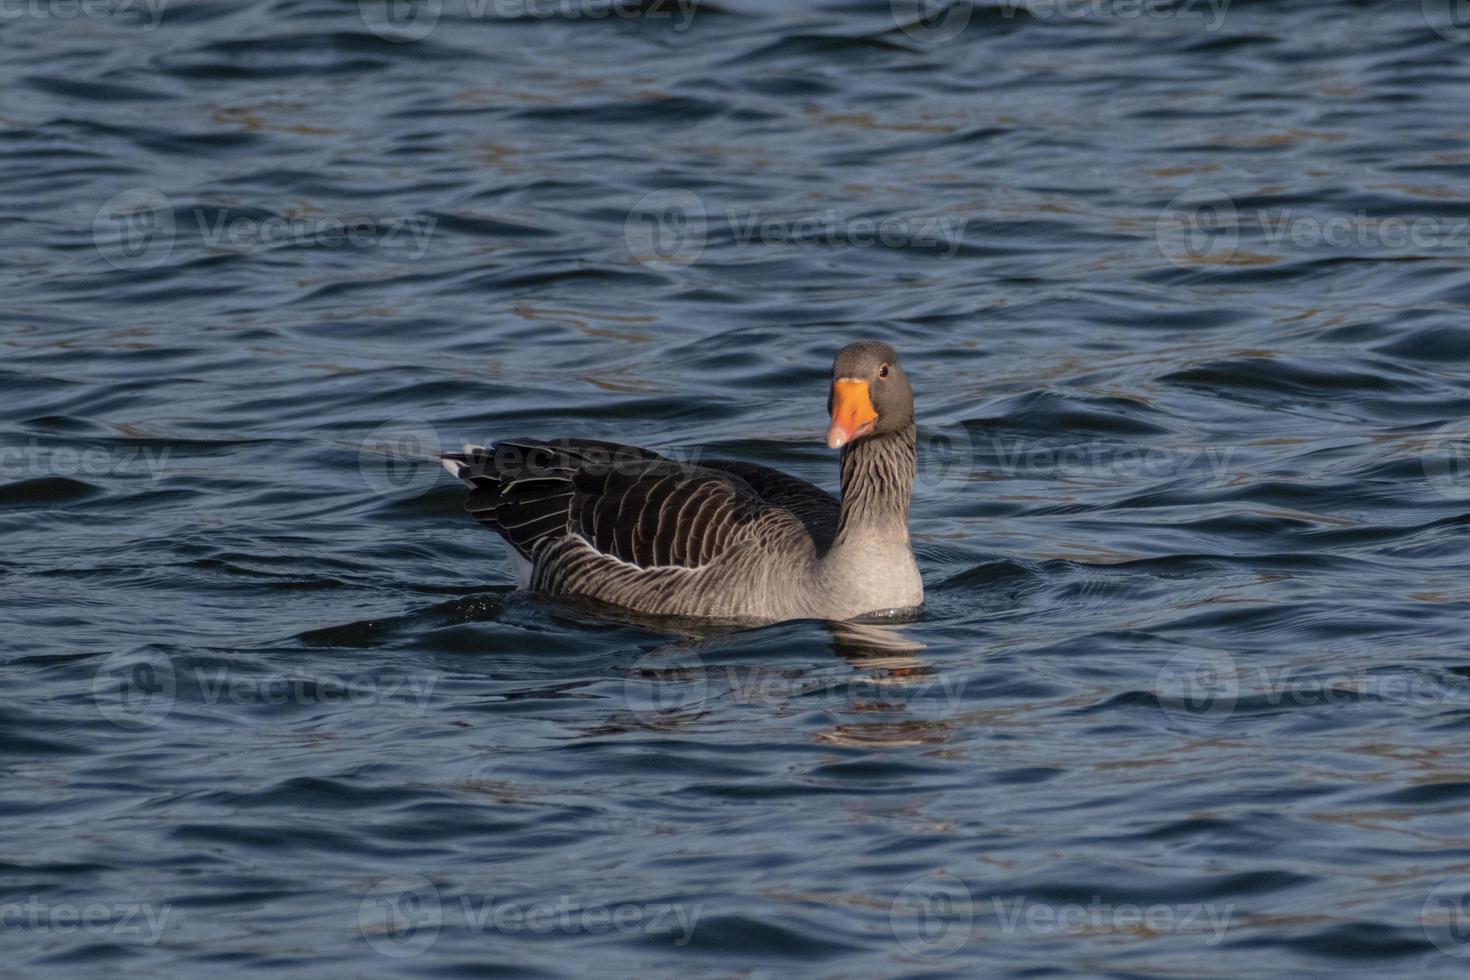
(1184, 297)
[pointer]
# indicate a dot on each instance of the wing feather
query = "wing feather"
(630, 504)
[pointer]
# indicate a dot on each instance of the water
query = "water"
(1183, 296)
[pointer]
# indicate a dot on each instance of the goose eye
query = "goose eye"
(882, 370)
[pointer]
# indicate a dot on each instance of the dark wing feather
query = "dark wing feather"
(814, 507)
(629, 503)
(655, 512)
(523, 488)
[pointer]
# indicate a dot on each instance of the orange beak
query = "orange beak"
(852, 412)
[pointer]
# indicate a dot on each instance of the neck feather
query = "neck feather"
(877, 483)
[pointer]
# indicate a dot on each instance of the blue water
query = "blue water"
(1183, 290)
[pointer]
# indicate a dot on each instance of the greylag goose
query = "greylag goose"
(718, 539)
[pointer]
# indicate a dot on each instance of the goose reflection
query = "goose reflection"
(878, 690)
(866, 642)
(899, 680)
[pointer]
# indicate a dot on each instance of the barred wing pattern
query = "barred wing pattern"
(631, 527)
(814, 507)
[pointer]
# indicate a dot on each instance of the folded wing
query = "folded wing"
(631, 506)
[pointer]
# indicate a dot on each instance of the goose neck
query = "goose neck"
(877, 485)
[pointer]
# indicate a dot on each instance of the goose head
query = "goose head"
(870, 394)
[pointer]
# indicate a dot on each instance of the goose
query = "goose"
(720, 539)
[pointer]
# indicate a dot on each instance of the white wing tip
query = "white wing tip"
(453, 466)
